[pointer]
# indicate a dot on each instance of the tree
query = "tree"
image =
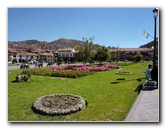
(85, 51)
(102, 54)
(146, 58)
(138, 57)
(118, 53)
(130, 57)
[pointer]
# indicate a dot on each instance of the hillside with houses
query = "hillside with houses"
(66, 50)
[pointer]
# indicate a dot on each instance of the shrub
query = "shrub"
(23, 77)
(138, 57)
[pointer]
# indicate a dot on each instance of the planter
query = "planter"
(59, 104)
(18, 78)
(21, 78)
(25, 78)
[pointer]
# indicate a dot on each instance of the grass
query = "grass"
(109, 99)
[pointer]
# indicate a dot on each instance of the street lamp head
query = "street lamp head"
(155, 12)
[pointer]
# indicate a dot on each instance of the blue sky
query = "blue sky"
(121, 27)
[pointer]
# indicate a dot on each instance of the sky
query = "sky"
(118, 27)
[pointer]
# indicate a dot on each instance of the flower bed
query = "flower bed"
(70, 71)
(58, 73)
(59, 104)
(101, 67)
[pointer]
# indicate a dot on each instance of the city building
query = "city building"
(67, 55)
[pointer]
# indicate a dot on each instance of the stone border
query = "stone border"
(59, 104)
(124, 73)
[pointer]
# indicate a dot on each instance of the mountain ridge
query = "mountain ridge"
(34, 44)
(60, 43)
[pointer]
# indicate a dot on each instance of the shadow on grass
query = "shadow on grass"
(138, 88)
(114, 82)
(123, 80)
(14, 81)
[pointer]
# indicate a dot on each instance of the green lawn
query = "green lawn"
(108, 99)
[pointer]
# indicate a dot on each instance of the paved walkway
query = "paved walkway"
(18, 67)
(146, 107)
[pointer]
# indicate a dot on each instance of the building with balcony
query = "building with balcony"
(67, 55)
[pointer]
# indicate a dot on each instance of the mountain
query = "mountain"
(61, 43)
(54, 45)
(65, 43)
(148, 45)
(35, 44)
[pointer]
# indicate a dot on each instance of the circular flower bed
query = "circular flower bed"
(59, 104)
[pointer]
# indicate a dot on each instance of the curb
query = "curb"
(133, 108)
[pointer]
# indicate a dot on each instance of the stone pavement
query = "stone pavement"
(146, 107)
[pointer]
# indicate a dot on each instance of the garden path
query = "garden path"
(146, 107)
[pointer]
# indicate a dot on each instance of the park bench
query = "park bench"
(149, 82)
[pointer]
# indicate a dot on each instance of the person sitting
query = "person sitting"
(148, 72)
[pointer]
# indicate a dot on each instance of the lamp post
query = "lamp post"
(155, 12)
(154, 71)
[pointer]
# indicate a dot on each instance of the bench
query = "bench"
(149, 82)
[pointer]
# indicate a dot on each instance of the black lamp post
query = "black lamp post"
(155, 11)
(154, 71)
